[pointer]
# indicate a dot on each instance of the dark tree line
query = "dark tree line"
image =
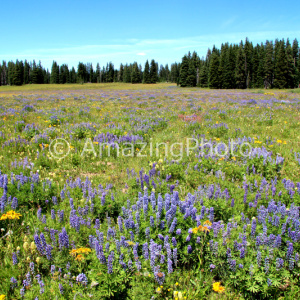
(18, 73)
(269, 65)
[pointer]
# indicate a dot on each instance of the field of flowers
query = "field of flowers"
(92, 208)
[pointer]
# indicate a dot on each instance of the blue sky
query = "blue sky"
(127, 31)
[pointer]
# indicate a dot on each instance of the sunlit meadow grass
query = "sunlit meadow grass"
(139, 220)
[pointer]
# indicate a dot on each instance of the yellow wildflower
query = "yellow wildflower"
(195, 230)
(218, 288)
(2, 297)
(207, 222)
(11, 215)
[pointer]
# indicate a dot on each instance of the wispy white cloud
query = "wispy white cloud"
(127, 50)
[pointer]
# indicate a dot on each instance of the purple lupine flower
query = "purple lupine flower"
(267, 264)
(22, 292)
(48, 252)
(241, 266)
(174, 242)
(54, 200)
(138, 265)
(147, 232)
(107, 247)
(152, 221)
(290, 251)
(110, 263)
(232, 264)
(170, 268)
(291, 263)
(162, 259)
(14, 282)
(120, 223)
(212, 266)
(159, 277)
(61, 216)
(178, 231)
(38, 244)
(14, 203)
(43, 241)
(63, 239)
(44, 220)
(145, 251)
(52, 214)
(61, 289)
(81, 278)
(242, 252)
(14, 258)
(189, 249)
(52, 269)
(253, 227)
(258, 258)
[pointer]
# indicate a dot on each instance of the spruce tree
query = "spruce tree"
(26, 72)
(18, 73)
(248, 48)
(291, 69)
(281, 67)
(191, 79)
(269, 65)
(203, 76)
(213, 74)
(54, 78)
(240, 72)
(121, 73)
(184, 71)
(146, 75)
(153, 71)
(135, 73)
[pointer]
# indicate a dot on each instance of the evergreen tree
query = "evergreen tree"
(203, 77)
(213, 73)
(127, 74)
(146, 75)
(18, 73)
(121, 73)
(184, 71)
(268, 65)
(223, 58)
(3, 74)
(54, 78)
(10, 72)
(240, 72)
(81, 73)
(135, 73)
(153, 71)
(228, 77)
(191, 79)
(261, 67)
(248, 49)
(110, 73)
(281, 67)
(291, 69)
(72, 76)
(26, 72)
(97, 73)
(295, 48)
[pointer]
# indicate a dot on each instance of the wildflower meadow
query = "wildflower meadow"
(124, 191)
